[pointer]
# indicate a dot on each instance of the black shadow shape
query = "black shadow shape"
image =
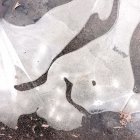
(135, 58)
(69, 86)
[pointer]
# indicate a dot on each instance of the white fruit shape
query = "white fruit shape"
(104, 62)
(26, 52)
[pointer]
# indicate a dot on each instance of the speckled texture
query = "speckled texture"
(104, 126)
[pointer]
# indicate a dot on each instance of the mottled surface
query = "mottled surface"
(105, 126)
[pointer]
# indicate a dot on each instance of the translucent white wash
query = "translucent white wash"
(45, 39)
(26, 52)
(105, 60)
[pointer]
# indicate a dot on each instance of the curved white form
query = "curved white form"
(26, 53)
(101, 74)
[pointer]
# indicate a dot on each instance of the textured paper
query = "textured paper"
(101, 72)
